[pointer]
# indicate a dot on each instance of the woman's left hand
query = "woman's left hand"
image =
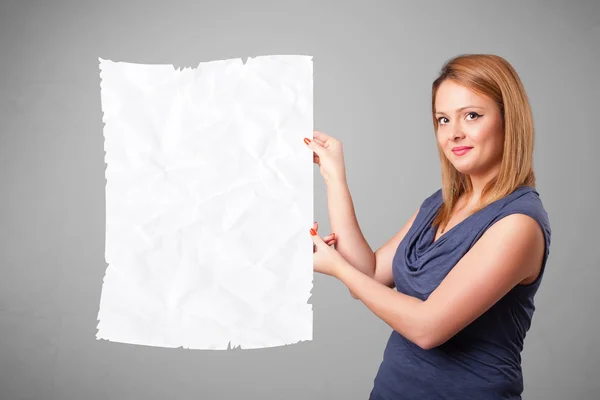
(326, 259)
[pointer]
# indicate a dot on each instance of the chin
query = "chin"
(464, 169)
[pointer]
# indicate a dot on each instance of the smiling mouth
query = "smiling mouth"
(459, 151)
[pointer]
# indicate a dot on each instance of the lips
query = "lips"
(461, 150)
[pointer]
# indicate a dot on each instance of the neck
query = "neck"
(478, 182)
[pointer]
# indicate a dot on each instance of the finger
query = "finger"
(316, 238)
(315, 226)
(319, 141)
(315, 146)
(322, 137)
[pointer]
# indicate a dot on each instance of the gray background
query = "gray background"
(374, 63)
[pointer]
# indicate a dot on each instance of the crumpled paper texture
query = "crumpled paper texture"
(209, 199)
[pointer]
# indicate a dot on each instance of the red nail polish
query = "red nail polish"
(313, 232)
(306, 140)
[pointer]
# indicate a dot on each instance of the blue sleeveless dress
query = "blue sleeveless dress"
(482, 361)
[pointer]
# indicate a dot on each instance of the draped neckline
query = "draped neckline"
(433, 230)
(436, 209)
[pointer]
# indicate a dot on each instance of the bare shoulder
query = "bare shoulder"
(517, 235)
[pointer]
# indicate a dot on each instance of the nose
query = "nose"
(455, 131)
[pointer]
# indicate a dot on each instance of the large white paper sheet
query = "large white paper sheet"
(208, 203)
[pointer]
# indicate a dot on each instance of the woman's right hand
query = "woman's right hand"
(328, 155)
(329, 239)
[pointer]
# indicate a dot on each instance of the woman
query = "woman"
(467, 264)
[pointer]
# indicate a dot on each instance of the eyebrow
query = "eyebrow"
(460, 109)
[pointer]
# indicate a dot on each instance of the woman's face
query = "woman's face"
(478, 126)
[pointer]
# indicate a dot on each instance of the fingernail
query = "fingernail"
(306, 140)
(313, 232)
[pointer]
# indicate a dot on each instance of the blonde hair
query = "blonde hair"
(492, 76)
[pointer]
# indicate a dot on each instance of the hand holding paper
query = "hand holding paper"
(326, 259)
(329, 155)
(329, 239)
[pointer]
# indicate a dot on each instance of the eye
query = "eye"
(474, 113)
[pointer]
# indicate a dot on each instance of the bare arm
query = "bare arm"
(351, 243)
